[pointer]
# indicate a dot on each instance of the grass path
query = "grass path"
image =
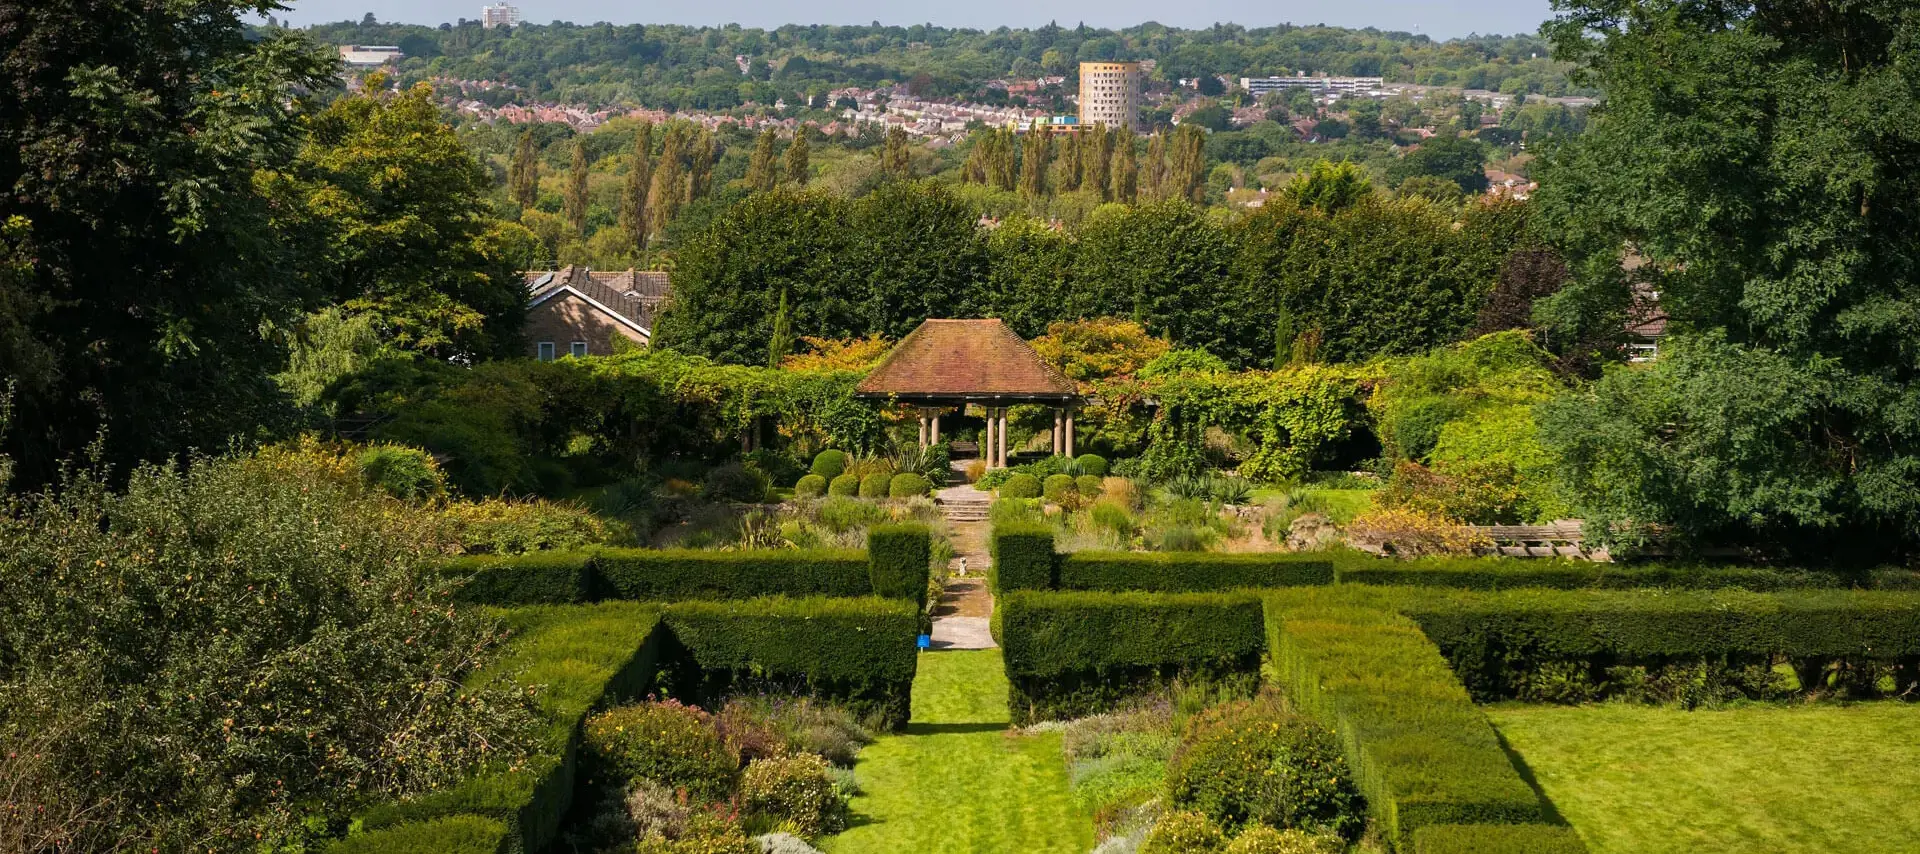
(956, 782)
(1644, 780)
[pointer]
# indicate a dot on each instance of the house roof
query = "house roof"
(632, 297)
(965, 359)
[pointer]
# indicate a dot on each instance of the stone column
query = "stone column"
(1003, 437)
(1069, 432)
(936, 427)
(986, 442)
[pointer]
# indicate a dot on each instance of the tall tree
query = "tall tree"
(523, 174)
(1000, 167)
(1035, 157)
(130, 136)
(1186, 165)
(799, 170)
(762, 174)
(1070, 176)
(669, 178)
(577, 188)
(1126, 170)
(700, 170)
(1155, 180)
(633, 196)
(897, 160)
(1762, 161)
(781, 342)
(1097, 175)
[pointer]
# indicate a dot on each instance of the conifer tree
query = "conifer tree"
(782, 340)
(1126, 170)
(577, 188)
(668, 178)
(761, 171)
(700, 173)
(799, 170)
(523, 175)
(633, 198)
(1035, 157)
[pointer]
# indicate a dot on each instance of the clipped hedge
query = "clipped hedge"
(540, 578)
(1069, 654)
(900, 561)
(859, 651)
(676, 574)
(1494, 640)
(1501, 573)
(1190, 572)
(1023, 557)
(585, 656)
(1497, 839)
(1424, 754)
(456, 834)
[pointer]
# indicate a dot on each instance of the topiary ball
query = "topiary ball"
(666, 742)
(1089, 485)
(1261, 839)
(1254, 761)
(1184, 832)
(830, 463)
(908, 485)
(1092, 464)
(1059, 489)
(811, 486)
(874, 485)
(1021, 485)
(846, 484)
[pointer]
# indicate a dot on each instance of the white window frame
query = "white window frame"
(577, 349)
(545, 349)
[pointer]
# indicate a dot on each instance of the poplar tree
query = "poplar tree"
(700, 173)
(523, 175)
(633, 198)
(896, 161)
(1070, 177)
(1098, 162)
(798, 168)
(1126, 171)
(1001, 170)
(1153, 182)
(1034, 159)
(1187, 164)
(668, 175)
(577, 188)
(761, 174)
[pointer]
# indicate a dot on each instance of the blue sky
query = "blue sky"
(1446, 19)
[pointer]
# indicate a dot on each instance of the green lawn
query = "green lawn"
(1642, 780)
(956, 782)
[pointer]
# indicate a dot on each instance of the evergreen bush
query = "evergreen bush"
(1089, 485)
(900, 559)
(1092, 465)
(810, 486)
(1060, 489)
(829, 463)
(664, 742)
(875, 485)
(668, 575)
(1021, 485)
(1184, 832)
(1190, 572)
(846, 485)
(908, 485)
(795, 792)
(540, 578)
(735, 482)
(409, 474)
(1023, 556)
(1254, 762)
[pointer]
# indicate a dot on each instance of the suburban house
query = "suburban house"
(575, 311)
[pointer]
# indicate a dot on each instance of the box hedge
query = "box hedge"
(1505, 573)
(666, 575)
(1023, 557)
(454, 834)
(1423, 753)
(1075, 653)
(1495, 640)
(585, 656)
(900, 559)
(1190, 572)
(859, 651)
(1497, 839)
(540, 578)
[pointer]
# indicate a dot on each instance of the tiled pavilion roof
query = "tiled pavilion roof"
(965, 359)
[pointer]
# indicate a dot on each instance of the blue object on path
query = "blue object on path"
(925, 642)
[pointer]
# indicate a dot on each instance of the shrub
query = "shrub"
(654, 810)
(1189, 572)
(777, 466)
(764, 726)
(457, 834)
(797, 792)
(1261, 839)
(1022, 557)
(859, 651)
(1184, 832)
(908, 485)
(1255, 762)
(1092, 465)
(541, 578)
(735, 482)
(1422, 752)
(992, 479)
(829, 464)
(1021, 486)
(1184, 538)
(676, 574)
(705, 833)
(501, 526)
(1088, 485)
(1497, 839)
(811, 486)
(874, 485)
(1413, 533)
(844, 485)
(1059, 489)
(783, 843)
(841, 513)
(663, 742)
(1113, 517)
(1078, 653)
(899, 560)
(409, 474)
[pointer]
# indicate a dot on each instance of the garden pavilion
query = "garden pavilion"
(947, 364)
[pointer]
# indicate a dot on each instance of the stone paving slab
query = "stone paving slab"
(963, 633)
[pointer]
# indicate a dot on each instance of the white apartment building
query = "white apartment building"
(499, 15)
(1257, 86)
(369, 55)
(1110, 94)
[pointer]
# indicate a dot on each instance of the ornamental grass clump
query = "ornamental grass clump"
(1257, 762)
(665, 742)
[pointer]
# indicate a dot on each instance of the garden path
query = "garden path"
(962, 617)
(957, 781)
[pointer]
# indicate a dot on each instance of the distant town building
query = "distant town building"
(1110, 94)
(579, 312)
(1257, 86)
(499, 15)
(369, 55)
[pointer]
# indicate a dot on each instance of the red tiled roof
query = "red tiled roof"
(633, 294)
(965, 358)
